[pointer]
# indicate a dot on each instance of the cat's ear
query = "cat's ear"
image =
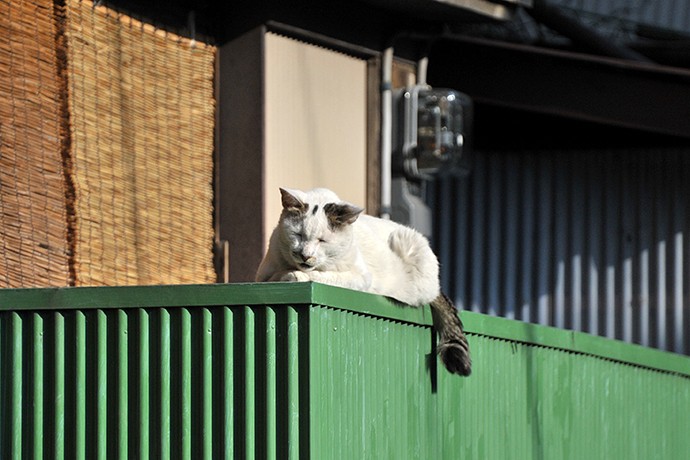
(341, 214)
(291, 202)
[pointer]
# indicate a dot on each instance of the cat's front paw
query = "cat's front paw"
(295, 276)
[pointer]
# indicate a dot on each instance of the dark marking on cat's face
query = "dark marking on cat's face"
(340, 215)
(292, 204)
(316, 208)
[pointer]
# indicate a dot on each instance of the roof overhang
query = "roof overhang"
(606, 90)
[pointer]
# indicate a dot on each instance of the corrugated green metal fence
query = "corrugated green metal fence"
(312, 371)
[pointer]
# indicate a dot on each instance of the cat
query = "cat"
(321, 238)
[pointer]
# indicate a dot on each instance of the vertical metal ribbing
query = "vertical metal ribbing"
(544, 241)
(37, 379)
(644, 223)
(164, 383)
(142, 383)
(494, 237)
(679, 329)
(527, 214)
(561, 230)
(644, 301)
(100, 390)
(685, 224)
(510, 268)
(452, 210)
(592, 241)
(627, 251)
(293, 382)
(4, 415)
(250, 384)
(443, 230)
(13, 447)
(303, 359)
(577, 232)
(122, 385)
(667, 225)
(224, 446)
(204, 387)
(477, 233)
(317, 381)
(679, 278)
(185, 384)
(143, 379)
(270, 389)
(58, 373)
(229, 348)
(79, 373)
(660, 294)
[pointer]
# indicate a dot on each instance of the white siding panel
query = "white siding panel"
(315, 122)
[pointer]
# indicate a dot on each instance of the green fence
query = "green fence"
(311, 371)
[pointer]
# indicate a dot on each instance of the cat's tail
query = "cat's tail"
(452, 346)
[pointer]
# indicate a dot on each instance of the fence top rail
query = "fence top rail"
(207, 295)
(213, 295)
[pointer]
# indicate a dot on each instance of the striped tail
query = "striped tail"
(452, 346)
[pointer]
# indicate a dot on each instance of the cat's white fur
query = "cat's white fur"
(327, 240)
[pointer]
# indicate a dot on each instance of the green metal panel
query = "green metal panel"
(546, 403)
(373, 396)
(312, 371)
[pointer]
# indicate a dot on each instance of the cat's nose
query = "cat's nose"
(309, 260)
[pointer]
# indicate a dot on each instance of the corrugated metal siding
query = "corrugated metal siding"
(591, 241)
(370, 389)
(149, 383)
(339, 375)
(543, 403)
(373, 396)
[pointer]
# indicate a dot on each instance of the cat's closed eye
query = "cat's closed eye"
(321, 240)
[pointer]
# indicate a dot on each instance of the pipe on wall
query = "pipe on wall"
(386, 131)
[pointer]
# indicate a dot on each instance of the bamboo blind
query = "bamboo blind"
(134, 203)
(142, 108)
(34, 249)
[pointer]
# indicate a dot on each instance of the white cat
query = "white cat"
(321, 238)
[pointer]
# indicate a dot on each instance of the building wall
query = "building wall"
(593, 241)
(315, 132)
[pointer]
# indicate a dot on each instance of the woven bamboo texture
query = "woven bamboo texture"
(33, 236)
(142, 117)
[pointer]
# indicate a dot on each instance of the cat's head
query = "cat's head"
(316, 228)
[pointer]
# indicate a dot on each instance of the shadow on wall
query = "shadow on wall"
(592, 241)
